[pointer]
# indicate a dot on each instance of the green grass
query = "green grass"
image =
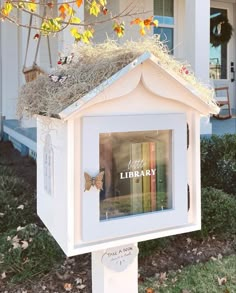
(17, 202)
(26, 248)
(200, 278)
(28, 252)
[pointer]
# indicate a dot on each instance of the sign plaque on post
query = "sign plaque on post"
(119, 258)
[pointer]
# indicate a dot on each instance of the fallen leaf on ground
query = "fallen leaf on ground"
(189, 240)
(149, 290)
(163, 277)
(24, 244)
(185, 291)
(81, 287)
(174, 280)
(63, 277)
(78, 281)
(3, 275)
(68, 286)
(222, 281)
(20, 207)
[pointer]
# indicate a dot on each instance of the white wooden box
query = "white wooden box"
(140, 131)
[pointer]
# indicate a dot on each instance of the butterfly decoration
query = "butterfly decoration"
(58, 78)
(65, 60)
(93, 181)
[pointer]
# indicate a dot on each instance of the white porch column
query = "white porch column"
(197, 32)
(9, 68)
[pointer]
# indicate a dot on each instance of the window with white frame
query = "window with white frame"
(164, 13)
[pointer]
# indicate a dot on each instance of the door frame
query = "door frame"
(230, 6)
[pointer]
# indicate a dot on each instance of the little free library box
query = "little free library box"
(122, 163)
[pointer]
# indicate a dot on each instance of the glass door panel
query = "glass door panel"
(137, 172)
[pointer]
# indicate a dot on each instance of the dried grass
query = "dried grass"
(91, 65)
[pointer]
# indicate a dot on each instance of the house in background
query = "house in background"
(183, 24)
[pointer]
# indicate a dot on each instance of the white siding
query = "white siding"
(10, 69)
(53, 208)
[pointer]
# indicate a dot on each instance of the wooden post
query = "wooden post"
(115, 270)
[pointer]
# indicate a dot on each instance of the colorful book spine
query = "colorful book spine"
(105, 150)
(153, 176)
(146, 179)
(121, 158)
(161, 186)
(136, 183)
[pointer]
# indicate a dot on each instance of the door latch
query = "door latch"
(232, 71)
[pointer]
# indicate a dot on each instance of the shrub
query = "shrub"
(218, 213)
(218, 162)
(146, 248)
(27, 252)
(218, 218)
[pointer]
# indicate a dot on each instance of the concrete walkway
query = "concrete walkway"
(221, 127)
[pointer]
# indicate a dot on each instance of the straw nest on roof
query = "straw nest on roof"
(91, 65)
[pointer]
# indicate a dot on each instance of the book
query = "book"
(121, 158)
(136, 182)
(146, 179)
(161, 182)
(153, 191)
(105, 159)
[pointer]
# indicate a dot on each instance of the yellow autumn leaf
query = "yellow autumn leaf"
(70, 11)
(73, 31)
(21, 5)
(7, 8)
(103, 2)
(31, 6)
(45, 28)
(119, 28)
(75, 34)
(142, 32)
(89, 34)
(155, 22)
(86, 36)
(75, 19)
(94, 8)
(142, 24)
(54, 24)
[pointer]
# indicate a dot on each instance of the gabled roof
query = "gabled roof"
(147, 69)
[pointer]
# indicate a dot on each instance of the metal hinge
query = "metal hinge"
(187, 136)
(188, 193)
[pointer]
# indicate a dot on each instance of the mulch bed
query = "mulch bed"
(74, 275)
